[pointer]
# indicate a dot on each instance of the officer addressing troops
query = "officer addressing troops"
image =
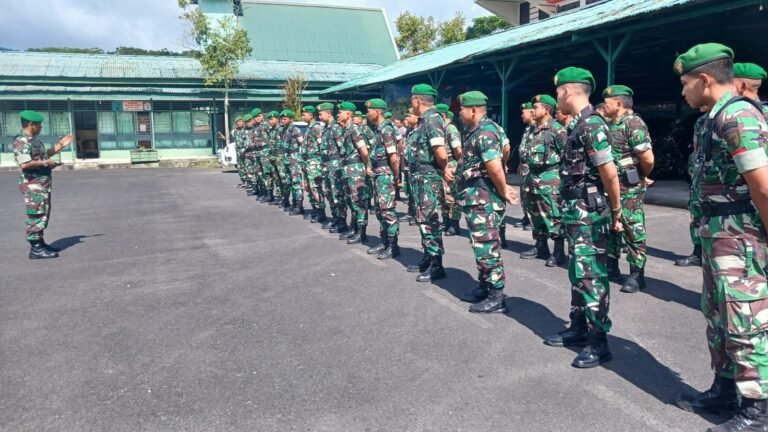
(429, 161)
(587, 174)
(385, 166)
(482, 184)
(35, 181)
(731, 183)
(451, 211)
(633, 156)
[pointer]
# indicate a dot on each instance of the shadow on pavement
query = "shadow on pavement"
(458, 283)
(662, 254)
(630, 361)
(670, 292)
(68, 242)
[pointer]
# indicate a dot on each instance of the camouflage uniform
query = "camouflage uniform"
(409, 159)
(294, 141)
(482, 204)
(630, 137)
(263, 168)
(427, 181)
(35, 184)
(524, 170)
(450, 209)
(693, 202)
(275, 157)
(334, 178)
(355, 187)
(383, 146)
(586, 226)
(543, 160)
(238, 135)
(249, 154)
(735, 256)
(313, 139)
(370, 136)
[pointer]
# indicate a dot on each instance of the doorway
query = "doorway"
(87, 135)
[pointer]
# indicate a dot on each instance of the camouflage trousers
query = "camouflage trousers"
(384, 194)
(483, 222)
(525, 192)
(241, 166)
(587, 234)
(278, 170)
(250, 168)
(545, 215)
(734, 301)
(296, 179)
(451, 210)
(333, 179)
(426, 190)
(356, 193)
(315, 183)
(265, 168)
(634, 236)
(37, 200)
(696, 215)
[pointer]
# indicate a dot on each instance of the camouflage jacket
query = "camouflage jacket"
(332, 135)
(544, 148)
(248, 144)
(237, 136)
(524, 149)
(260, 138)
(384, 145)
(410, 147)
(587, 147)
(370, 135)
(452, 139)
(273, 136)
(481, 145)
(630, 136)
(739, 137)
(28, 149)
(352, 139)
(313, 140)
(292, 140)
(430, 133)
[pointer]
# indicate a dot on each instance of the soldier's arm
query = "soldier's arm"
(59, 146)
(640, 141)
(362, 149)
(390, 146)
(492, 155)
(600, 154)
(436, 136)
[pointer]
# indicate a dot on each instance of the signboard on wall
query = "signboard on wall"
(131, 106)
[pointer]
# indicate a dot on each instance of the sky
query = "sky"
(154, 24)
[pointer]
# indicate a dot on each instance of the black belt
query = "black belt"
(349, 160)
(540, 170)
(423, 167)
(709, 208)
(380, 164)
(577, 191)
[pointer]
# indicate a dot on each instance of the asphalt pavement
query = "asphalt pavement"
(179, 303)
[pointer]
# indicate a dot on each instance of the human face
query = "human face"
(307, 117)
(526, 116)
(563, 100)
(249, 123)
(412, 120)
(325, 116)
(344, 116)
(693, 89)
(239, 124)
(259, 118)
(540, 112)
(285, 120)
(357, 120)
(398, 123)
(273, 121)
(611, 108)
(374, 116)
(467, 115)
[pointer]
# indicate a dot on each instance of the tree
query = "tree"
(68, 50)
(485, 25)
(162, 52)
(416, 34)
(224, 45)
(452, 31)
(294, 87)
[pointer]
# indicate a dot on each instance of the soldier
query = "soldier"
(284, 164)
(249, 154)
(482, 185)
(694, 205)
(294, 140)
(270, 154)
(526, 115)
(587, 174)
(506, 151)
(546, 143)
(450, 209)
(332, 140)
(258, 145)
(428, 164)
(731, 181)
(385, 166)
(354, 151)
(633, 156)
(411, 121)
(242, 164)
(563, 119)
(36, 163)
(370, 135)
(748, 77)
(237, 137)
(313, 140)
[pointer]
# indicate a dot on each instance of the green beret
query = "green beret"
(424, 90)
(273, 114)
(700, 55)
(749, 71)
(473, 99)
(239, 119)
(544, 99)
(617, 90)
(255, 112)
(309, 109)
(526, 105)
(574, 75)
(387, 115)
(450, 115)
(443, 108)
(325, 106)
(247, 117)
(287, 113)
(376, 104)
(347, 106)
(31, 116)
(365, 116)
(358, 114)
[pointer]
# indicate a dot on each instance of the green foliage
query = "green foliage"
(118, 51)
(416, 34)
(68, 50)
(485, 25)
(294, 87)
(452, 31)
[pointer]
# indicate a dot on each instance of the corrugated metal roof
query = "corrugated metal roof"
(317, 33)
(87, 66)
(133, 93)
(559, 25)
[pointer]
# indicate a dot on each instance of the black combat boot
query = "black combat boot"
(328, 223)
(359, 237)
(308, 215)
(341, 226)
(277, 200)
(479, 293)
(298, 209)
(446, 227)
(540, 250)
(693, 260)
(456, 227)
(493, 303)
(286, 204)
(48, 247)
(721, 396)
(451, 228)
(392, 250)
(635, 281)
(37, 251)
(270, 197)
(523, 222)
(421, 266)
(312, 216)
(614, 274)
(594, 354)
(397, 194)
(435, 270)
(575, 335)
(321, 217)
(375, 250)
(752, 417)
(558, 257)
(503, 237)
(351, 232)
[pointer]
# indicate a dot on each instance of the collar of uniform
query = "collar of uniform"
(483, 120)
(431, 110)
(382, 124)
(720, 102)
(547, 125)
